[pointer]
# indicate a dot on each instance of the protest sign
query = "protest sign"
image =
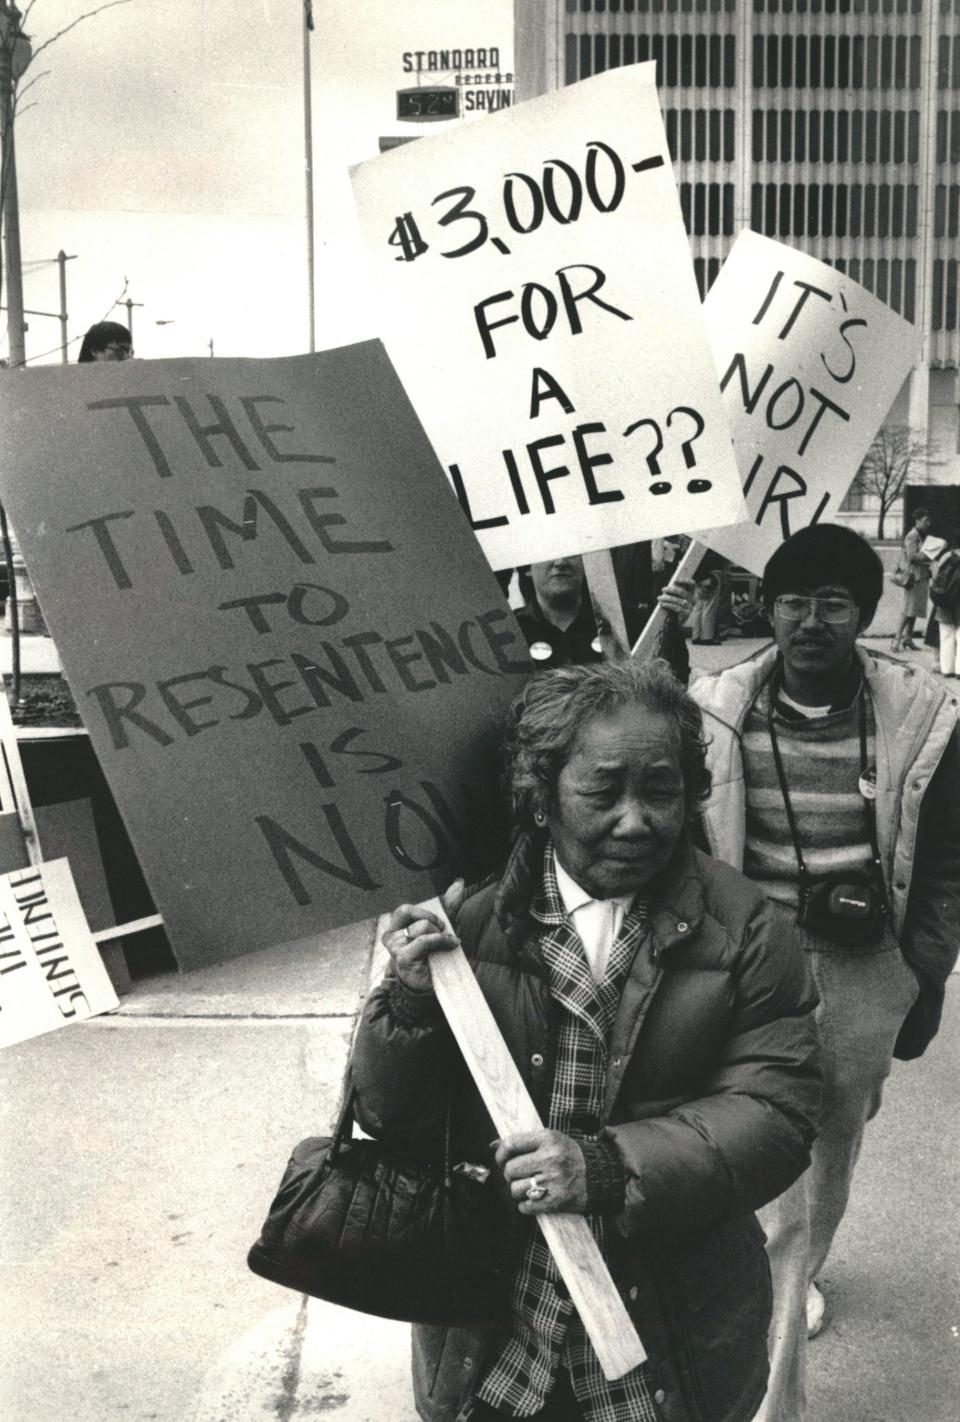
(809, 365)
(50, 969)
(286, 645)
(540, 306)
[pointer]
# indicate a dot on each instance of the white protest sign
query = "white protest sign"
(809, 365)
(50, 970)
(540, 307)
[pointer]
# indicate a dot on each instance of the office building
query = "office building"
(832, 125)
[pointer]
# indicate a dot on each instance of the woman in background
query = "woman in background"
(107, 340)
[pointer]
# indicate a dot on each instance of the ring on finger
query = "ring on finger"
(402, 935)
(536, 1191)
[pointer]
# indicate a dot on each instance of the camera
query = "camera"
(848, 911)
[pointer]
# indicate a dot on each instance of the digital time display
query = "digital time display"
(425, 105)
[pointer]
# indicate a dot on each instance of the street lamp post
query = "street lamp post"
(15, 55)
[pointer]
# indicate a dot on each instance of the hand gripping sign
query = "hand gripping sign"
(569, 1237)
(541, 310)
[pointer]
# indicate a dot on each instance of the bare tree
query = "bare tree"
(15, 25)
(895, 454)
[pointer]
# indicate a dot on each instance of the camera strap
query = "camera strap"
(805, 876)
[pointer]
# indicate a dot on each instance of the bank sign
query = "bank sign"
(453, 82)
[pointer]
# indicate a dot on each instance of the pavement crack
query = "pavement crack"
(290, 1377)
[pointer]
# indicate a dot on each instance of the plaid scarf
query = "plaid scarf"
(547, 1331)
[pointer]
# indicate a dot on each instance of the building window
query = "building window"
(896, 284)
(948, 62)
(706, 273)
(948, 136)
(800, 135)
(944, 305)
(707, 209)
(946, 211)
(856, 215)
(883, 210)
(854, 500)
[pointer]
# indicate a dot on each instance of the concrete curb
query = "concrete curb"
(308, 1359)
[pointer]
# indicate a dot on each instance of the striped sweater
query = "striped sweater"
(821, 764)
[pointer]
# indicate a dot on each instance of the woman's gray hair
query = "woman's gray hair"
(552, 709)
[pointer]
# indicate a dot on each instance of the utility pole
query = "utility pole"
(130, 305)
(210, 345)
(308, 163)
(15, 55)
(62, 260)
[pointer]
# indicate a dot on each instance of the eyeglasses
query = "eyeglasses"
(833, 610)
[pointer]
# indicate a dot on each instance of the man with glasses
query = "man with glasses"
(836, 787)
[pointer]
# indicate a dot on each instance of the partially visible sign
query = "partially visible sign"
(286, 645)
(540, 306)
(809, 364)
(50, 969)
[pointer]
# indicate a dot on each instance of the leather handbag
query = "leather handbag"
(903, 575)
(361, 1225)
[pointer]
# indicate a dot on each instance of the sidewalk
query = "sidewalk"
(141, 1151)
(149, 1144)
(37, 654)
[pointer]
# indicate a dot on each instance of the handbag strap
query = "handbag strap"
(346, 1118)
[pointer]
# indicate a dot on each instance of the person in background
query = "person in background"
(561, 627)
(663, 1024)
(836, 789)
(557, 617)
(947, 617)
(107, 340)
(915, 597)
(664, 557)
(711, 614)
(641, 590)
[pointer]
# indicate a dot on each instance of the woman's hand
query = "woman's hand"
(554, 1161)
(678, 596)
(414, 933)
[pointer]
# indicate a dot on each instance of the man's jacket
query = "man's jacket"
(712, 1094)
(917, 809)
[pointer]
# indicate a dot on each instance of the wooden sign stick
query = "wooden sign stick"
(16, 781)
(505, 1096)
(686, 568)
(123, 930)
(604, 593)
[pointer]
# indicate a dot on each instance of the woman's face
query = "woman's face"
(116, 350)
(620, 805)
(559, 577)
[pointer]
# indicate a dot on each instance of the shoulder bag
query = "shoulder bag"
(367, 1227)
(902, 574)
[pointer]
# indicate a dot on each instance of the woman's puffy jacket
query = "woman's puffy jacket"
(712, 1095)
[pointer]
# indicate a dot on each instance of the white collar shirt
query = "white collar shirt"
(597, 922)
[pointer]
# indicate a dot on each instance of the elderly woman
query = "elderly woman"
(664, 1028)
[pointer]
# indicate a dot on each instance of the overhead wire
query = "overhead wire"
(74, 339)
